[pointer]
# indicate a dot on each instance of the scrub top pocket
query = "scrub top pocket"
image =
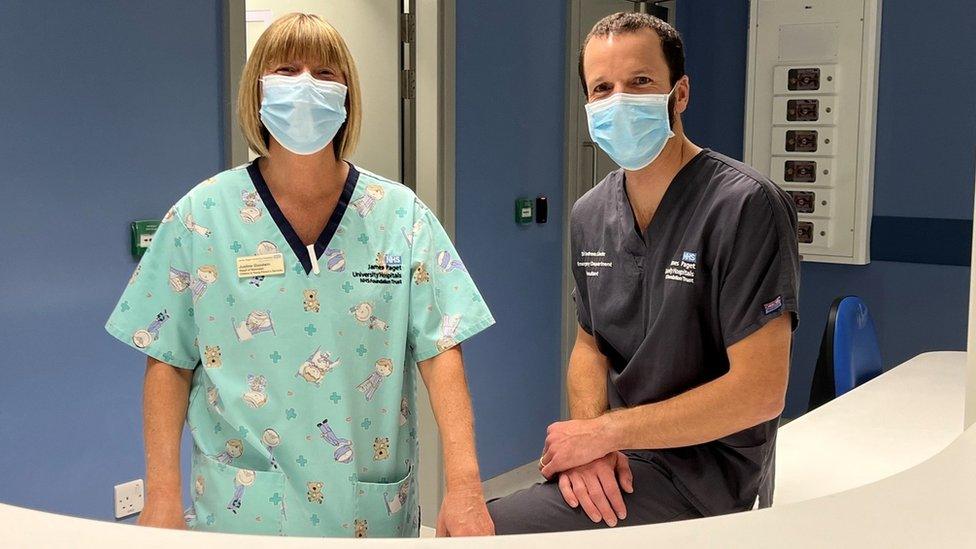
(231, 499)
(391, 508)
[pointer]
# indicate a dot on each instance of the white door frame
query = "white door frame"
(435, 186)
(428, 141)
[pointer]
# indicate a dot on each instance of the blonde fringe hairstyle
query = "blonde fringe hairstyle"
(298, 37)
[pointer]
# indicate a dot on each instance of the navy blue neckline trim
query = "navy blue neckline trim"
(287, 231)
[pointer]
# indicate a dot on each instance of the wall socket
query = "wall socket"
(129, 498)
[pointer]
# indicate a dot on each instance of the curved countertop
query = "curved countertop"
(883, 427)
(874, 462)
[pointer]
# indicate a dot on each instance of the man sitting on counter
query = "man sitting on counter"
(687, 271)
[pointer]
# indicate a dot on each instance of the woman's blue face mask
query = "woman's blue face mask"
(302, 113)
(631, 128)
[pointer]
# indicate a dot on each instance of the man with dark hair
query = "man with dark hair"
(672, 47)
(687, 270)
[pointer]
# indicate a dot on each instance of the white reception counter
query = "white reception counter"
(870, 469)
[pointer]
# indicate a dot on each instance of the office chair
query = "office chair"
(849, 353)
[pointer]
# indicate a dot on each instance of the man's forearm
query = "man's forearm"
(701, 415)
(451, 403)
(166, 394)
(586, 384)
(586, 379)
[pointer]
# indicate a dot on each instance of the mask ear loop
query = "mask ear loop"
(670, 119)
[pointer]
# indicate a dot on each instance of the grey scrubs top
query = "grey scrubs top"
(719, 260)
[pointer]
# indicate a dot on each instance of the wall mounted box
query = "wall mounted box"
(811, 100)
(142, 235)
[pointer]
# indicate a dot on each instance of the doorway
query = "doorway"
(586, 164)
(404, 52)
(372, 32)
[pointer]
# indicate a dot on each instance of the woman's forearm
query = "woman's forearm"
(166, 392)
(451, 403)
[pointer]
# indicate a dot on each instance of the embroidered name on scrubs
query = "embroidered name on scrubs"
(593, 261)
(386, 269)
(683, 270)
(260, 265)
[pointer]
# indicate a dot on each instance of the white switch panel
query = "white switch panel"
(810, 110)
(129, 498)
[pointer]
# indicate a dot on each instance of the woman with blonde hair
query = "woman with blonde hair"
(302, 240)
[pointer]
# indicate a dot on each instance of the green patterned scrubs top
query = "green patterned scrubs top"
(303, 394)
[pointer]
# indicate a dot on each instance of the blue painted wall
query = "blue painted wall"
(923, 166)
(716, 46)
(510, 81)
(109, 111)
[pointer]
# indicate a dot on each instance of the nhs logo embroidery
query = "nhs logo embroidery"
(684, 270)
(393, 260)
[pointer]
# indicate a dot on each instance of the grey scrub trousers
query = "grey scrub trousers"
(541, 508)
(718, 262)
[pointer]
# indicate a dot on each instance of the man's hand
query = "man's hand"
(464, 513)
(596, 486)
(573, 443)
(163, 512)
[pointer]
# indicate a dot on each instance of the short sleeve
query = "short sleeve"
(762, 279)
(580, 294)
(155, 313)
(445, 305)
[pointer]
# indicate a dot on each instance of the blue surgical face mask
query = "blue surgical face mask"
(302, 113)
(631, 128)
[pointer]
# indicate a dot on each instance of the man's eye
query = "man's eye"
(642, 80)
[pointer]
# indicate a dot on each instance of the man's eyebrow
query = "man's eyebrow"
(594, 82)
(644, 71)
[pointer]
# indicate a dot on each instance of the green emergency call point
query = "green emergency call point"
(142, 235)
(524, 211)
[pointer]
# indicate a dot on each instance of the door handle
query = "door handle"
(590, 182)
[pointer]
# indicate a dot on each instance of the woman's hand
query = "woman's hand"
(464, 513)
(163, 512)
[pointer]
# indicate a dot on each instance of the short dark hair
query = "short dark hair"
(631, 22)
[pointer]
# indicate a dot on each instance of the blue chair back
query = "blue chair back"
(857, 358)
(849, 352)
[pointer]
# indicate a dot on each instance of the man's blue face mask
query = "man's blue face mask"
(631, 128)
(302, 113)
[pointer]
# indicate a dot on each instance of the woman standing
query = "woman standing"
(283, 305)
